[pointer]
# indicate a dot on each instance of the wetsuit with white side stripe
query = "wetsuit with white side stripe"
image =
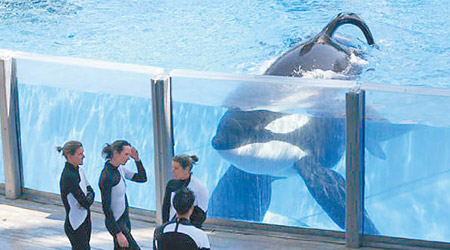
(200, 204)
(77, 196)
(114, 199)
(180, 234)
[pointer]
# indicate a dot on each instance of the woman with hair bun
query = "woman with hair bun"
(182, 177)
(77, 196)
(113, 189)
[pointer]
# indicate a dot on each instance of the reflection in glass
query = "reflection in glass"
(268, 153)
(408, 176)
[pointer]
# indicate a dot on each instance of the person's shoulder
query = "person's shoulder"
(173, 185)
(68, 175)
(202, 237)
(193, 229)
(195, 180)
(169, 225)
(103, 173)
(196, 183)
(106, 175)
(66, 178)
(160, 229)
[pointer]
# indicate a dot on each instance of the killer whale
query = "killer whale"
(321, 52)
(263, 146)
(263, 136)
(261, 153)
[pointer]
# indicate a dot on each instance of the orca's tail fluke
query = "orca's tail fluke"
(348, 18)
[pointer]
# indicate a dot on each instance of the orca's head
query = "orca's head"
(260, 141)
(239, 128)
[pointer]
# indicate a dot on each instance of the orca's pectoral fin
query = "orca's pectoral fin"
(326, 186)
(240, 195)
(368, 226)
(328, 189)
(383, 130)
(375, 149)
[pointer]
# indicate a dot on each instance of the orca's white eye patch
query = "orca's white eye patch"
(287, 124)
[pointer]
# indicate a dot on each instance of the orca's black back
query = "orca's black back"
(176, 241)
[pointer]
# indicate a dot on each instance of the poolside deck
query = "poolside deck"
(30, 225)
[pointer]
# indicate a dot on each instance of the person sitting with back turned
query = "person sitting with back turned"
(182, 166)
(180, 234)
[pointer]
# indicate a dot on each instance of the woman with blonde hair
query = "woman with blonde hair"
(77, 196)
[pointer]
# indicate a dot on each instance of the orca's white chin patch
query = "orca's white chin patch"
(270, 158)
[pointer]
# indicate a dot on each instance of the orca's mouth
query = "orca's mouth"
(270, 151)
(224, 143)
(270, 158)
(217, 143)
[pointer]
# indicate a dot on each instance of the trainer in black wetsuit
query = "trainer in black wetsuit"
(182, 177)
(113, 189)
(77, 196)
(180, 233)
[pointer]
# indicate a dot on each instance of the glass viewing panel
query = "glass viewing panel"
(408, 165)
(60, 101)
(259, 142)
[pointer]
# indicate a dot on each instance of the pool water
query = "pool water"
(405, 189)
(231, 36)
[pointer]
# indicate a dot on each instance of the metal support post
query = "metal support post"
(355, 110)
(162, 136)
(9, 111)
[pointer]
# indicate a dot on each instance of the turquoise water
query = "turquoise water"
(231, 36)
(405, 192)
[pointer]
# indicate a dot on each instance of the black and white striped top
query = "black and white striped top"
(180, 234)
(76, 193)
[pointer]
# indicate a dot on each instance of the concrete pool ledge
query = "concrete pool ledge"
(35, 221)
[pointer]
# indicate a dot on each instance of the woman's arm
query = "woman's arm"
(198, 216)
(106, 184)
(166, 203)
(157, 234)
(141, 175)
(202, 197)
(172, 186)
(74, 188)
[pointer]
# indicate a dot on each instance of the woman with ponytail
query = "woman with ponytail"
(77, 196)
(182, 177)
(113, 189)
